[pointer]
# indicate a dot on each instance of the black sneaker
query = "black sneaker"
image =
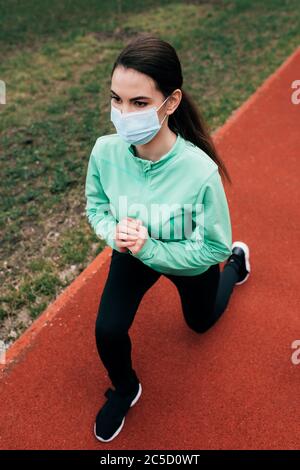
(240, 254)
(111, 417)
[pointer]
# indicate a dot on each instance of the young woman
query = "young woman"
(156, 177)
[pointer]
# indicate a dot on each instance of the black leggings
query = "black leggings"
(204, 298)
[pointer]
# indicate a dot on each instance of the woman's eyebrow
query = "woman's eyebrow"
(133, 99)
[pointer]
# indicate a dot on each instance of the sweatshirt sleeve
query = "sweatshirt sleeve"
(211, 239)
(97, 207)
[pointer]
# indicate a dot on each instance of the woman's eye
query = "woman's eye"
(139, 103)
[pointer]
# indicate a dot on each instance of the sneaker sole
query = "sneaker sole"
(123, 421)
(247, 258)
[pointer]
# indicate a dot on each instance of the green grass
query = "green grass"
(56, 62)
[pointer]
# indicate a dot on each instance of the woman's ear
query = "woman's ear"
(176, 97)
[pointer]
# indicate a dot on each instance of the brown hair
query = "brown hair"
(156, 58)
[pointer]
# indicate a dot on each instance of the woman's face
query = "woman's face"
(135, 91)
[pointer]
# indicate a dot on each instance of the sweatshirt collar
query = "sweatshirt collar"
(174, 152)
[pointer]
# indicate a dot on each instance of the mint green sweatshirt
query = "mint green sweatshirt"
(179, 198)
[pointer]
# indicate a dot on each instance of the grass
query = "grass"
(56, 64)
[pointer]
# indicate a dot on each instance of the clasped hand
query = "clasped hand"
(130, 234)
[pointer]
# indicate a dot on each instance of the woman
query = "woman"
(161, 164)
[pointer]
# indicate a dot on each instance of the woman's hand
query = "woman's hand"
(143, 235)
(130, 234)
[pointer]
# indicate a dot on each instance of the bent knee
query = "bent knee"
(200, 329)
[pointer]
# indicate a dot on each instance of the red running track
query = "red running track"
(235, 387)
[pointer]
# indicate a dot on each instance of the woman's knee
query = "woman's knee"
(200, 329)
(205, 323)
(201, 323)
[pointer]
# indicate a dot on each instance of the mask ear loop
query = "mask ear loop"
(160, 107)
(163, 102)
(163, 120)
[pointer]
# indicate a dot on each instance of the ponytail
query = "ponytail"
(188, 122)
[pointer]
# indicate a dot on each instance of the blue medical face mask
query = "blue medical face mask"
(137, 127)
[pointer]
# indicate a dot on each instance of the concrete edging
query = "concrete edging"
(27, 338)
